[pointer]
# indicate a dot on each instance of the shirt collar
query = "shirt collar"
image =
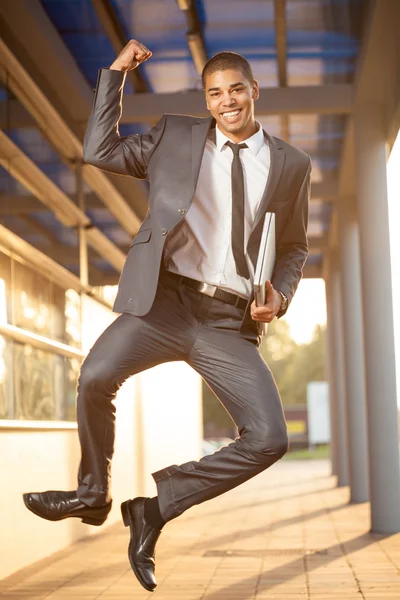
(255, 142)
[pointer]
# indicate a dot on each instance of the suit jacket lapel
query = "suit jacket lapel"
(199, 137)
(277, 161)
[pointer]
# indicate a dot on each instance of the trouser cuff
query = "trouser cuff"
(168, 507)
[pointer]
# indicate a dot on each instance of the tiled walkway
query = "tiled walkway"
(288, 534)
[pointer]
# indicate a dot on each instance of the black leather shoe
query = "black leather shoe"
(141, 551)
(55, 506)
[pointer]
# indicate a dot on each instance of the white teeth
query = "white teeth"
(231, 114)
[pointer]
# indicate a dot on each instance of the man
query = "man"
(185, 292)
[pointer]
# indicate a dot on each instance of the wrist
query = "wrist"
(117, 66)
(284, 301)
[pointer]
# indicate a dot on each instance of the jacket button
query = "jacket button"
(181, 211)
(164, 231)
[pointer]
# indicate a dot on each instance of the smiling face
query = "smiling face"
(230, 100)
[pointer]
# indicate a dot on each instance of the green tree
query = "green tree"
(293, 365)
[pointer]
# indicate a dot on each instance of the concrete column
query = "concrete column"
(353, 348)
(336, 380)
(372, 205)
(329, 376)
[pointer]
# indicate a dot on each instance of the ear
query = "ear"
(256, 90)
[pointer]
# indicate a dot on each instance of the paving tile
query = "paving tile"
(287, 534)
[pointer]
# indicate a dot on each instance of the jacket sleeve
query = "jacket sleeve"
(103, 147)
(292, 249)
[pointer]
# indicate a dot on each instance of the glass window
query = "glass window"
(57, 317)
(45, 384)
(72, 318)
(32, 300)
(34, 372)
(43, 307)
(64, 317)
(36, 384)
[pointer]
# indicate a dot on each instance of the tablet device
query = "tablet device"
(266, 259)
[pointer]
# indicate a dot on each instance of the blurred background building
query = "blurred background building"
(330, 84)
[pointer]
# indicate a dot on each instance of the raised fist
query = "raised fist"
(131, 56)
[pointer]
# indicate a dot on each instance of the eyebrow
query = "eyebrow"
(216, 89)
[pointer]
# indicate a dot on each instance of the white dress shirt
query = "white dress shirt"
(201, 246)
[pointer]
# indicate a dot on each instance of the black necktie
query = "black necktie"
(238, 211)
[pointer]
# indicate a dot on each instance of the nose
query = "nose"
(228, 100)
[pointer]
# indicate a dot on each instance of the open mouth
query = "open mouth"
(231, 116)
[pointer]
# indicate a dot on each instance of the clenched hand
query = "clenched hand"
(131, 56)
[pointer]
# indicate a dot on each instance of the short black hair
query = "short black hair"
(227, 60)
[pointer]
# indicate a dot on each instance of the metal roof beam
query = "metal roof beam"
(280, 40)
(281, 54)
(194, 34)
(116, 35)
(22, 168)
(324, 99)
(38, 48)
(60, 135)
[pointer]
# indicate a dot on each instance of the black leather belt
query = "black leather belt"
(207, 289)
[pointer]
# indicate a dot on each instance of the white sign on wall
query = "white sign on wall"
(318, 412)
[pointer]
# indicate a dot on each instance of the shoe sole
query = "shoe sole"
(128, 523)
(86, 520)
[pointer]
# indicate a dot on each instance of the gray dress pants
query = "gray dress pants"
(182, 325)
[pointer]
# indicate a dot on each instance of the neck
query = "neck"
(239, 136)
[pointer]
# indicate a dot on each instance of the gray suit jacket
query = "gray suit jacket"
(169, 157)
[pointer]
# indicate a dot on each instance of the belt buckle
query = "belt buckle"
(207, 289)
